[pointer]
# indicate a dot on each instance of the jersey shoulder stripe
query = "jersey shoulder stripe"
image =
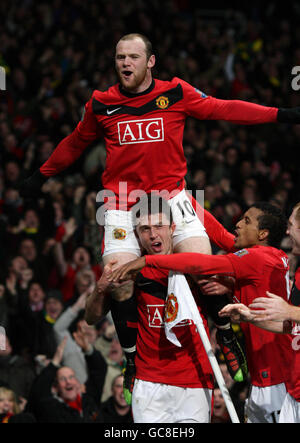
(164, 100)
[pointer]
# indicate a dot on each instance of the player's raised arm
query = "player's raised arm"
(65, 154)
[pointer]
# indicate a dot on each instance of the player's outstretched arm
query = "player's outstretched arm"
(274, 307)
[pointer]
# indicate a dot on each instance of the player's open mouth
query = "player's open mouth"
(126, 74)
(156, 246)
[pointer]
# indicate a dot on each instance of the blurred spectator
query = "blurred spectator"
(58, 397)
(109, 346)
(219, 413)
(15, 371)
(115, 409)
(73, 355)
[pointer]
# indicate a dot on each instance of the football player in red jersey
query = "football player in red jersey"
(172, 384)
(277, 315)
(142, 121)
(258, 266)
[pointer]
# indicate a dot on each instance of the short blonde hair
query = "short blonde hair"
(148, 44)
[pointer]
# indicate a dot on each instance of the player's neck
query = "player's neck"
(146, 86)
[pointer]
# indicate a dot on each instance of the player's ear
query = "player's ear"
(173, 227)
(151, 61)
(263, 234)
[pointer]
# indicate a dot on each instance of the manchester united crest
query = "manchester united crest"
(171, 308)
(119, 234)
(162, 102)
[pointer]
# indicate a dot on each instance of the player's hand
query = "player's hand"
(273, 308)
(289, 115)
(31, 187)
(237, 313)
(57, 358)
(128, 271)
(215, 286)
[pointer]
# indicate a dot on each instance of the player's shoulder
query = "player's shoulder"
(108, 94)
(275, 257)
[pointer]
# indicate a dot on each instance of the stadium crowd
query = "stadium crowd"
(55, 54)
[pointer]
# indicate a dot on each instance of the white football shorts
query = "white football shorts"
(161, 403)
(290, 411)
(119, 233)
(264, 404)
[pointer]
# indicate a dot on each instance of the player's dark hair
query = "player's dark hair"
(148, 44)
(150, 204)
(272, 219)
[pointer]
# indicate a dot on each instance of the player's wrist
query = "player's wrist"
(290, 116)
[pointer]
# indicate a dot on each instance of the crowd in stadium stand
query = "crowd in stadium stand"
(55, 54)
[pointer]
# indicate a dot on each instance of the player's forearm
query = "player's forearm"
(217, 233)
(97, 304)
(242, 112)
(192, 263)
(278, 327)
(294, 314)
(66, 152)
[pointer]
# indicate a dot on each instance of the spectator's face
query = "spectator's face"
(294, 232)
(12, 171)
(67, 385)
(18, 265)
(81, 258)
(36, 293)
(132, 66)
(117, 392)
(53, 308)
(6, 402)
(219, 404)
(31, 219)
(115, 351)
(247, 232)
(28, 250)
(155, 234)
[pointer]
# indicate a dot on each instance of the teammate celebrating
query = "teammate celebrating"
(257, 267)
(275, 314)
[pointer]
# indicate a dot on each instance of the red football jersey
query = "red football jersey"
(294, 385)
(143, 133)
(157, 359)
(256, 270)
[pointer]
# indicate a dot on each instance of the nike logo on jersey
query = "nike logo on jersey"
(111, 111)
(173, 95)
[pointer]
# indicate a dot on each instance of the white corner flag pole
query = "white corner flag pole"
(217, 371)
(181, 302)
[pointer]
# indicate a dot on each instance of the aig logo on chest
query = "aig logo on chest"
(141, 131)
(156, 315)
